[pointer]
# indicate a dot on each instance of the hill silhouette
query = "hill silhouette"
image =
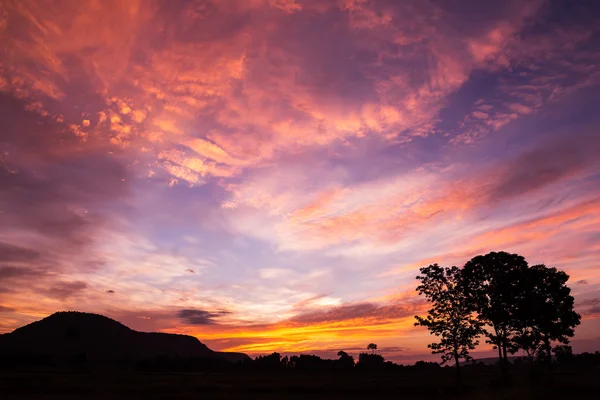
(100, 339)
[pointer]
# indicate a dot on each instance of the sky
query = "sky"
(270, 175)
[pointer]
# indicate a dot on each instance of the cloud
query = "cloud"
(545, 165)
(110, 291)
(7, 273)
(304, 145)
(552, 58)
(589, 302)
(361, 311)
(6, 309)
(59, 197)
(200, 317)
(582, 282)
(589, 308)
(392, 208)
(241, 79)
(75, 179)
(567, 219)
(191, 271)
(274, 273)
(595, 310)
(64, 290)
(11, 253)
(380, 349)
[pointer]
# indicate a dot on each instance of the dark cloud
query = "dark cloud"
(64, 290)
(191, 271)
(390, 349)
(12, 253)
(589, 306)
(16, 278)
(95, 264)
(200, 317)
(110, 291)
(595, 310)
(9, 272)
(582, 282)
(51, 182)
(543, 166)
(57, 189)
(6, 309)
(354, 311)
(589, 302)
(61, 203)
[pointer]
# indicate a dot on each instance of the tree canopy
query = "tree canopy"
(544, 310)
(451, 314)
(493, 282)
(498, 294)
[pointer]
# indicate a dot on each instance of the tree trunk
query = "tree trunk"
(549, 355)
(458, 381)
(504, 359)
(531, 366)
(502, 368)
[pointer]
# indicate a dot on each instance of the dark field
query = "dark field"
(568, 384)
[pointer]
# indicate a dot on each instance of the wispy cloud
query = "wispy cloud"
(200, 317)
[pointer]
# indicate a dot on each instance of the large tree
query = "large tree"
(451, 314)
(544, 311)
(493, 282)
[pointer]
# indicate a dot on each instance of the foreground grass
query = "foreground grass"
(289, 385)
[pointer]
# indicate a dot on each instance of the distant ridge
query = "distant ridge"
(101, 339)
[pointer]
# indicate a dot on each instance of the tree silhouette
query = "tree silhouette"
(544, 311)
(528, 340)
(370, 361)
(450, 316)
(345, 360)
(564, 354)
(271, 361)
(372, 347)
(492, 284)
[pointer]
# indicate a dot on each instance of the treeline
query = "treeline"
(500, 297)
(166, 363)
(275, 362)
(345, 361)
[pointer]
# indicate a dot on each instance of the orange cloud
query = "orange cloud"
(577, 218)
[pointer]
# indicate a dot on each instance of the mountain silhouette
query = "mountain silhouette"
(101, 339)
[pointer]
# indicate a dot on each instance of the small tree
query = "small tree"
(372, 347)
(530, 341)
(370, 361)
(563, 353)
(345, 360)
(451, 314)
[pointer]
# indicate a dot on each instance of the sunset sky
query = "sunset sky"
(271, 174)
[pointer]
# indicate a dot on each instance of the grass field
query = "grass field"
(291, 385)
